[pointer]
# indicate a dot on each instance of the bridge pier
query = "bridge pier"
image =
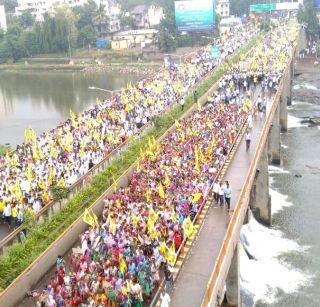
(261, 200)
(283, 113)
(274, 147)
(233, 280)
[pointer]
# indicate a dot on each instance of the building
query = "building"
(223, 8)
(39, 7)
(147, 16)
(133, 38)
(108, 26)
(3, 19)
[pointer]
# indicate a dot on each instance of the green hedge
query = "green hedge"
(3, 149)
(20, 255)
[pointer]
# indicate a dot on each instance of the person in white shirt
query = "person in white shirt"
(248, 140)
(7, 214)
(221, 194)
(165, 299)
(182, 103)
(216, 192)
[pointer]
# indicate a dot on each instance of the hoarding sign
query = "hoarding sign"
(194, 15)
(215, 54)
(258, 8)
(262, 7)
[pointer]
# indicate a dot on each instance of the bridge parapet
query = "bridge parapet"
(254, 194)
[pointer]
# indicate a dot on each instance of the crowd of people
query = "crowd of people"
(62, 155)
(123, 257)
(311, 49)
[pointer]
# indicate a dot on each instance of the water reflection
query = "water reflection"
(43, 99)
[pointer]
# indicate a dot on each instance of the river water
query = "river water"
(44, 99)
(285, 269)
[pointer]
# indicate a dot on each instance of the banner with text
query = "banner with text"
(194, 15)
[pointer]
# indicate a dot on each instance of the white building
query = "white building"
(39, 7)
(3, 19)
(147, 16)
(223, 8)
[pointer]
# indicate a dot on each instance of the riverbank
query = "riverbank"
(131, 61)
(143, 69)
(307, 80)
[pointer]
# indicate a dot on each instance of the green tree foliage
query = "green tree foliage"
(57, 33)
(9, 5)
(307, 15)
(26, 19)
(127, 22)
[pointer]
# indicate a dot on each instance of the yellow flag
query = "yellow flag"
(87, 218)
(188, 227)
(61, 183)
(166, 180)
(8, 159)
(153, 216)
(142, 155)
(161, 191)
(51, 176)
(112, 226)
(171, 255)
(199, 106)
(29, 173)
(122, 264)
(148, 195)
(135, 219)
(72, 118)
(196, 197)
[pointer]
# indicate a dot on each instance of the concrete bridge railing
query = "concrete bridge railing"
(226, 269)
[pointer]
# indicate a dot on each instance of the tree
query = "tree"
(31, 43)
(14, 29)
(9, 5)
(26, 19)
(127, 22)
(307, 15)
(4, 52)
(85, 14)
(86, 35)
(101, 20)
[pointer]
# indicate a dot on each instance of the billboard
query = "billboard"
(194, 15)
(258, 8)
(215, 53)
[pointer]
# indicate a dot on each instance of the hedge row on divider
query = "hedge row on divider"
(20, 255)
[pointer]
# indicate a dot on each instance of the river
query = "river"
(42, 100)
(285, 269)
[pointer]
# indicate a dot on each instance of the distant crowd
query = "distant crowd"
(59, 157)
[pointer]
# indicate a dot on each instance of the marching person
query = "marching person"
(227, 194)
(248, 140)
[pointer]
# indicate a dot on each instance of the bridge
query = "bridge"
(209, 273)
(207, 270)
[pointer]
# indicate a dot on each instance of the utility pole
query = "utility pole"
(69, 42)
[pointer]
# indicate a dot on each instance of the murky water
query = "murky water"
(44, 99)
(285, 270)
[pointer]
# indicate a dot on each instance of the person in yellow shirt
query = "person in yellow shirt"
(1, 207)
(15, 215)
